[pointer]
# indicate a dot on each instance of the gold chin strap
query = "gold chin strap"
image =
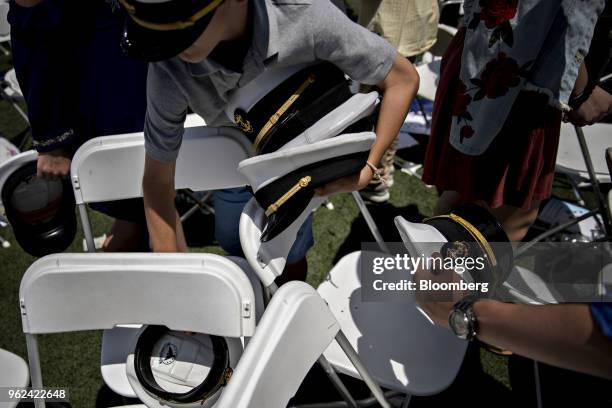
(304, 181)
(177, 25)
(473, 232)
(274, 118)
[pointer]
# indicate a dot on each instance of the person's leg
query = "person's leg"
(297, 266)
(129, 230)
(446, 202)
(515, 221)
(228, 204)
(126, 236)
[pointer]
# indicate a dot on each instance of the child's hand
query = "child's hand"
(353, 182)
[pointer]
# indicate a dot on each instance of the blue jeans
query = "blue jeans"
(228, 205)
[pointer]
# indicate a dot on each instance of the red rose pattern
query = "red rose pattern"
(461, 101)
(499, 75)
(496, 12)
(465, 133)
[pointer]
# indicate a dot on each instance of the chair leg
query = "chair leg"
(603, 206)
(370, 221)
(367, 378)
(337, 382)
(406, 401)
(327, 367)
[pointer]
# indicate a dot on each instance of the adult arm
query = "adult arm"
(563, 335)
(44, 61)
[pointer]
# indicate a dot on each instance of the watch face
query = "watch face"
(459, 323)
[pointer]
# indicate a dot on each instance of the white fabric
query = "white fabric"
(264, 169)
(355, 108)
(247, 96)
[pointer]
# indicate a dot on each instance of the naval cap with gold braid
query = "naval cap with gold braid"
(156, 30)
(469, 231)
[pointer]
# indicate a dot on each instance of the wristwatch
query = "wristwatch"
(462, 319)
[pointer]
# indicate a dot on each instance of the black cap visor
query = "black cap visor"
(155, 45)
(41, 237)
(320, 173)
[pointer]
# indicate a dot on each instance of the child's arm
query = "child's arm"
(399, 88)
(163, 132)
(163, 222)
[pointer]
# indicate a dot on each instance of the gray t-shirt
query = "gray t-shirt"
(285, 33)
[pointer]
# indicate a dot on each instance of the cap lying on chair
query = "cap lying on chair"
(468, 231)
(41, 212)
(284, 181)
(157, 30)
(298, 105)
(181, 369)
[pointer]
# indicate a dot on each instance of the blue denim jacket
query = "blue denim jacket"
(76, 81)
(515, 45)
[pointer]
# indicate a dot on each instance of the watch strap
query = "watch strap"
(466, 306)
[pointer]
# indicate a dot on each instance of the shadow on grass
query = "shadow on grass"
(384, 215)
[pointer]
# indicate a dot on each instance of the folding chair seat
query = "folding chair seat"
(14, 374)
(73, 292)
(5, 28)
(414, 357)
(403, 350)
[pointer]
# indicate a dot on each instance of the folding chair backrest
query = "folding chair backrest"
(5, 28)
(72, 292)
(268, 259)
(294, 331)
(110, 167)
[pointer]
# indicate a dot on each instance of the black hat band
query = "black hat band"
(170, 26)
(473, 231)
(293, 106)
(218, 376)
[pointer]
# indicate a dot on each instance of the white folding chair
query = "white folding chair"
(14, 374)
(581, 160)
(5, 27)
(111, 167)
(393, 364)
(402, 349)
(73, 292)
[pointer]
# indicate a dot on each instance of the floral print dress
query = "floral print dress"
(504, 81)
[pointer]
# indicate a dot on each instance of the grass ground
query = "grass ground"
(72, 359)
